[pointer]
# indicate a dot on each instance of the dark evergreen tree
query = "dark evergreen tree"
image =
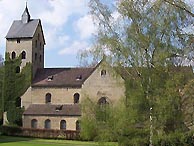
(16, 82)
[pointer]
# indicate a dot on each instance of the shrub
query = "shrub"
(175, 139)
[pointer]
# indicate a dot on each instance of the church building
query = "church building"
(53, 101)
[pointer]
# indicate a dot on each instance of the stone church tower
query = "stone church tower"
(26, 37)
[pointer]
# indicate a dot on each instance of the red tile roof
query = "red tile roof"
(53, 110)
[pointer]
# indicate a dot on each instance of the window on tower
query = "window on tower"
(13, 55)
(17, 70)
(40, 45)
(18, 40)
(40, 58)
(35, 56)
(36, 43)
(23, 55)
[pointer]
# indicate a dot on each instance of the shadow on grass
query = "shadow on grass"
(8, 139)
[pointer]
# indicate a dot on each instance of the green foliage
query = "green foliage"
(15, 85)
(144, 42)
(97, 122)
(1, 90)
(175, 139)
(188, 103)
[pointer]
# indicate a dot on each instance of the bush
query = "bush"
(9, 130)
(135, 137)
(175, 139)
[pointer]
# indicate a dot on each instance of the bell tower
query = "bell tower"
(26, 38)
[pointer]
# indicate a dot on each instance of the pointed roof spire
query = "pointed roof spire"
(26, 15)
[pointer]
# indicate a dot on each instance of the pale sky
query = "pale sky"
(67, 26)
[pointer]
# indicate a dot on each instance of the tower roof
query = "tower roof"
(26, 15)
(19, 29)
(24, 28)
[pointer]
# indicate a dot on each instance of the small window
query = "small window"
(76, 98)
(18, 41)
(17, 70)
(23, 55)
(103, 73)
(34, 123)
(13, 55)
(40, 45)
(50, 78)
(78, 78)
(63, 125)
(59, 108)
(18, 102)
(40, 58)
(48, 98)
(36, 43)
(36, 56)
(47, 124)
(78, 127)
(38, 36)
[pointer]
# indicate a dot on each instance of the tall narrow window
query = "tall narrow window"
(102, 112)
(78, 127)
(76, 98)
(40, 58)
(34, 123)
(18, 102)
(23, 55)
(47, 124)
(13, 55)
(36, 43)
(17, 70)
(63, 125)
(35, 56)
(38, 36)
(40, 45)
(48, 98)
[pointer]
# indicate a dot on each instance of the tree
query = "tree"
(1, 93)
(150, 37)
(16, 82)
(1, 60)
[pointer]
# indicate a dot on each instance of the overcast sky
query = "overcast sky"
(67, 26)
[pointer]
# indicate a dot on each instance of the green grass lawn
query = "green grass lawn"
(20, 141)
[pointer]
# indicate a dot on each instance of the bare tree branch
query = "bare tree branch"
(178, 6)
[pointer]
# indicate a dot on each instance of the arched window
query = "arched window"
(34, 123)
(102, 112)
(76, 98)
(13, 55)
(103, 73)
(23, 55)
(78, 127)
(47, 124)
(103, 101)
(48, 98)
(17, 70)
(63, 125)
(18, 102)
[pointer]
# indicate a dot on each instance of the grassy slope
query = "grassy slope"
(18, 141)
